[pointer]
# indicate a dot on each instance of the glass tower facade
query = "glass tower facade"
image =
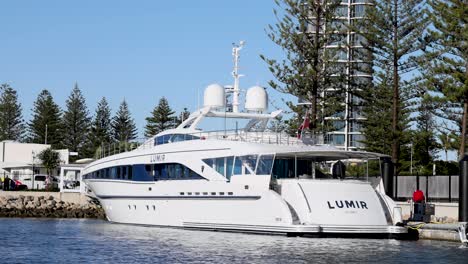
(351, 60)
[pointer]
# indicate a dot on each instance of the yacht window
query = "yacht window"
(205, 193)
(213, 193)
(189, 193)
(229, 167)
(118, 173)
(265, 164)
(124, 172)
(221, 193)
(130, 172)
(162, 140)
(178, 170)
(237, 167)
(174, 171)
(219, 165)
(222, 165)
(149, 169)
(249, 162)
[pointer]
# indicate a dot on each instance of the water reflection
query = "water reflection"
(91, 241)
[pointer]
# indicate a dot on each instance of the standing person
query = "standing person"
(6, 183)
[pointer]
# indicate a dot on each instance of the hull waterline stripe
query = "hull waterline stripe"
(166, 197)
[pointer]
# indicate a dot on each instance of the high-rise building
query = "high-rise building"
(351, 59)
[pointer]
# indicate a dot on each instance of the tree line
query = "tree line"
(74, 128)
(415, 53)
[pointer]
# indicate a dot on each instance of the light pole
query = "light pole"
(32, 177)
(411, 157)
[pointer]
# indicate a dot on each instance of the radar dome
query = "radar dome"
(256, 99)
(215, 96)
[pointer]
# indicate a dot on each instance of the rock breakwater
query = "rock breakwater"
(49, 207)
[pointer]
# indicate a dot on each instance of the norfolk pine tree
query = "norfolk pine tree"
(101, 128)
(446, 61)
(76, 123)
(392, 30)
(303, 32)
(162, 118)
(123, 125)
(45, 113)
(11, 119)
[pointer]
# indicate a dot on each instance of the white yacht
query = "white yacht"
(244, 180)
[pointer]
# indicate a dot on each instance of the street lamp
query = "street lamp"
(32, 176)
(411, 159)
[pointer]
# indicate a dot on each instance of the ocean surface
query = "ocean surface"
(97, 241)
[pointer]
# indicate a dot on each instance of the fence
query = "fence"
(439, 188)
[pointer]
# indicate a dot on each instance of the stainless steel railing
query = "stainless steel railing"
(263, 137)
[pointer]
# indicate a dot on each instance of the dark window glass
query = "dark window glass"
(130, 172)
(124, 172)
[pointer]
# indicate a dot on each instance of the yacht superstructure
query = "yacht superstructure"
(248, 180)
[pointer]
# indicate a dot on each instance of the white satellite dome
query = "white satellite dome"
(256, 99)
(215, 96)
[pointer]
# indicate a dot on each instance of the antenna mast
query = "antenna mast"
(235, 73)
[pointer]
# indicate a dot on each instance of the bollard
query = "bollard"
(463, 190)
(387, 175)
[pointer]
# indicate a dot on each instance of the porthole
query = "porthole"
(182, 193)
(205, 193)
(134, 207)
(213, 193)
(197, 193)
(230, 193)
(129, 208)
(246, 187)
(221, 193)
(154, 207)
(149, 189)
(189, 193)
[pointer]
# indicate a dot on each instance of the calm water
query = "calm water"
(95, 241)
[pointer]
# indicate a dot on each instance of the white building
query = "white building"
(19, 161)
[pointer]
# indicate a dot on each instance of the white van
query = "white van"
(40, 182)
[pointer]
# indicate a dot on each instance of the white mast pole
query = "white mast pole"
(236, 75)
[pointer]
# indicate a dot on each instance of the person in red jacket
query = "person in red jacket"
(418, 196)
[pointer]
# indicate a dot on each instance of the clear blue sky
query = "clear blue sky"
(137, 50)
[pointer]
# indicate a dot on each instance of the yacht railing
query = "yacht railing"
(263, 137)
(106, 150)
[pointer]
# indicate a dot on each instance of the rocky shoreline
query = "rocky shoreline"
(48, 207)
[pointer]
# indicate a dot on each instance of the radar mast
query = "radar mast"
(235, 73)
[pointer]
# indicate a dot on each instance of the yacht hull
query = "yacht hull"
(225, 207)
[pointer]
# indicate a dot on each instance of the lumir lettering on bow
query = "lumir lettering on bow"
(338, 204)
(157, 157)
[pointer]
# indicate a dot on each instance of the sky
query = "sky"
(133, 50)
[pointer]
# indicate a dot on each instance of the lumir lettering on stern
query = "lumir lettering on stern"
(338, 204)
